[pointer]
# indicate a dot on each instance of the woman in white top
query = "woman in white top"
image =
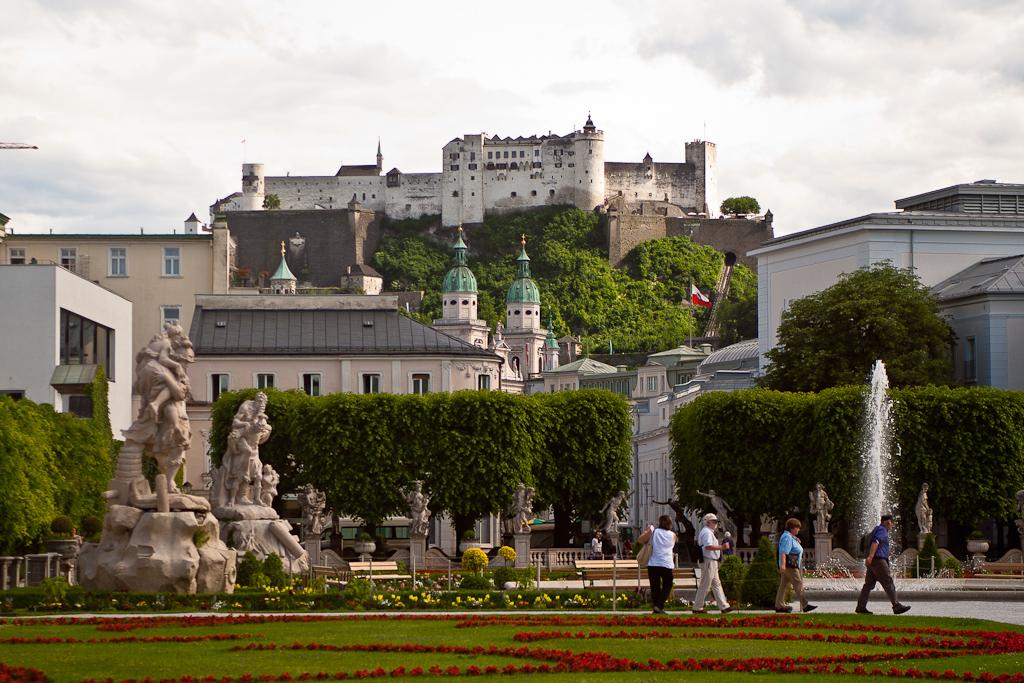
(659, 567)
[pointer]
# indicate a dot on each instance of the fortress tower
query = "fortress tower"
(588, 148)
(704, 156)
(253, 188)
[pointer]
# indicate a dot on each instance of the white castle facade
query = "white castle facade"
(483, 176)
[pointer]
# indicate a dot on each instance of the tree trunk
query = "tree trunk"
(462, 524)
(563, 526)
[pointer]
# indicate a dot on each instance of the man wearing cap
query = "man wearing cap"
(878, 569)
(712, 557)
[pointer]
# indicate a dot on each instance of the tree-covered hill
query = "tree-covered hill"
(637, 308)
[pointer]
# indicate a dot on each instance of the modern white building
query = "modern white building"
(938, 233)
(58, 329)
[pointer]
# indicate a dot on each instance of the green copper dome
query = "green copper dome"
(283, 272)
(523, 290)
(460, 278)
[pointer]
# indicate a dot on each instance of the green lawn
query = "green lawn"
(523, 639)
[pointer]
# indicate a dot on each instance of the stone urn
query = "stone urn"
(365, 549)
(65, 547)
(977, 546)
(466, 545)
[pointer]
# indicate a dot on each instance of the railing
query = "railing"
(556, 558)
(34, 567)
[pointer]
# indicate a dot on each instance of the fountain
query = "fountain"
(877, 485)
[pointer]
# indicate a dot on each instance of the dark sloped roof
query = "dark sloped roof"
(319, 332)
(363, 269)
(988, 276)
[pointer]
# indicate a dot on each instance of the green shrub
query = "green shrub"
(62, 526)
(358, 590)
(92, 526)
(526, 577)
(731, 573)
(55, 590)
(761, 582)
(502, 575)
(200, 537)
(273, 570)
(929, 552)
(953, 565)
(474, 560)
(250, 571)
(475, 583)
(365, 537)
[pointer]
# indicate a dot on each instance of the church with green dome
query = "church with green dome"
(523, 331)
(459, 301)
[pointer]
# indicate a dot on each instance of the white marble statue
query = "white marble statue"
(722, 510)
(242, 466)
(821, 505)
(313, 503)
(923, 511)
(611, 510)
(521, 513)
(419, 513)
(268, 486)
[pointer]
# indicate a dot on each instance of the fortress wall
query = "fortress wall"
(417, 194)
(737, 236)
(330, 192)
(627, 231)
(677, 181)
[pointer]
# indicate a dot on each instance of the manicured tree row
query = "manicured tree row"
(51, 464)
(763, 451)
(471, 449)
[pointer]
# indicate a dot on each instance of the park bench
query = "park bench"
(1004, 567)
(382, 571)
(630, 573)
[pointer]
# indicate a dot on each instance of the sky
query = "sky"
(822, 110)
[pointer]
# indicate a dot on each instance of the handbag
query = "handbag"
(644, 556)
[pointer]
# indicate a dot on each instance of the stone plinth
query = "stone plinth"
(8, 573)
(262, 537)
(612, 536)
(311, 543)
(522, 548)
(822, 549)
(418, 549)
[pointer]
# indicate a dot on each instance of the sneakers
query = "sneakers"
(810, 608)
(864, 610)
(900, 609)
(783, 610)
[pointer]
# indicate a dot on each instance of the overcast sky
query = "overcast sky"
(821, 110)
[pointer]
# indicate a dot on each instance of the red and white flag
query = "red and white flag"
(698, 298)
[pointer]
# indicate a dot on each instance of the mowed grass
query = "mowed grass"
(174, 660)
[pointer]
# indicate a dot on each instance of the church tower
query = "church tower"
(523, 332)
(459, 301)
(282, 281)
(550, 348)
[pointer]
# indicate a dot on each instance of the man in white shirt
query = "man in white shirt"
(711, 558)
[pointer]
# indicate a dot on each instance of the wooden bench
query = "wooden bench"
(333, 575)
(382, 571)
(1000, 567)
(629, 573)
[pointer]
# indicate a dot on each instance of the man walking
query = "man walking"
(712, 557)
(790, 555)
(878, 569)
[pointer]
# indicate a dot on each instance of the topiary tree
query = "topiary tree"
(731, 573)
(474, 560)
(738, 205)
(929, 554)
(953, 566)
(250, 571)
(761, 582)
(62, 526)
(273, 570)
(92, 526)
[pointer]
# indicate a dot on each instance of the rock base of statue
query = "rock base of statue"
(156, 552)
(237, 512)
(522, 548)
(261, 537)
(822, 548)
(418, 550)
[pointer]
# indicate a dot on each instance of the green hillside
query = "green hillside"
(637, 308)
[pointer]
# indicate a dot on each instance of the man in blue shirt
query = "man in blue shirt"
(878, 569)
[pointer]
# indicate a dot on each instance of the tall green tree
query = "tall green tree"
(586, 457)
(877, 312)
(738, 205)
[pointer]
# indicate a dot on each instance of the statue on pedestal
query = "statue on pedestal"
(821, 505)
(923, 511)
(242, 469)
(313, 503)
(611, 510)
(721, 509)
(419, 513)
(521, 513)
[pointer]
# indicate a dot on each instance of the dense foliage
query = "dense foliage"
(51, 463)
(740, 205)
(763, 451)
(470, 448)
(761, 582)
(731, 573)
(834, 337)
(637, 308)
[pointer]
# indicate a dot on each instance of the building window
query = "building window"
(490, 155)
(522, 153)
(265, 380)
(371, 384)
(455, 193)
(551, 193)
(69, 258)
(970, 359)
(483, 382)
(513, 194)
(84, 342)
(17, 257)
(219, 383)
(652, 383)
(533, 193)
(312, 383)
(506, 155)
(472, 156)
(118, 262)
(421, 384)
(172, 262)
(80, 406)
(170, 314)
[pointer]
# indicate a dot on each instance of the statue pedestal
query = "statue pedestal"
(612, 536)
(311, 542)
(920, 541)
(522, 548)
(822, 549)
(418, 550)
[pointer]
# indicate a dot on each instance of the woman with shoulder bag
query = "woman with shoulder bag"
(790, 554)
(662, 541)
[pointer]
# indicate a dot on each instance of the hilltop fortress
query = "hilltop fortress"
(484, 176)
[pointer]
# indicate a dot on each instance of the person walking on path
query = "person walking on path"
(660, 565)
(790, 555)
(712, 557)
(878, 569)
(728, 545)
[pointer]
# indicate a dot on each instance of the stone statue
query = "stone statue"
(683, 524)
(313, 503)
(242, 466)
(821, 505)
(521, 512)
(418, 511)
(611, 520)
(721, 509)
(924, 512)
(268, 486)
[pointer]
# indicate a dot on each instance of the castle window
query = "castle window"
(533, 193)
(590, 151)
(408, 207)
(516, 313)
(513, 166)
(455, 193)
(551, 193)
(364, 196)
(528, 311)
(513, 194)
(472, 194)
(472, 177)
(472, 167)
(472, 156)
(536, 152)
(571, 165)
(455, 167)
(373, 196)
(465, 302)
(522, 153)
(454, 302)
(506, 154)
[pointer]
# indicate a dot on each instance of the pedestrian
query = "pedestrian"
(877, 569)
(660, 565)
(595, 546)
(790, 555)
(711, 557)
(627, 548)
(728, 545)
